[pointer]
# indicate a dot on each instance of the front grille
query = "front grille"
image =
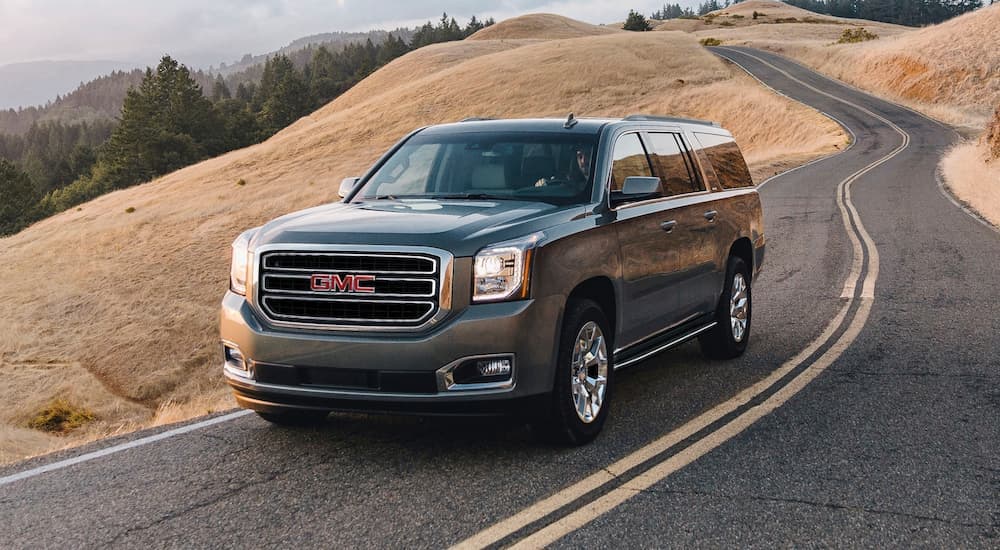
(404, 292)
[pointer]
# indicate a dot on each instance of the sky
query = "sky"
(201, 33)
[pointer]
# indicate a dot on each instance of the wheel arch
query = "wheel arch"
(600, 289)
(743, 249)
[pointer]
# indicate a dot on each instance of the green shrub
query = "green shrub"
(636, 22)
(737, 16)
(60, 417)
(130, 210)
(726, 24)
(851, 36)
(241, 182)
(710, 42)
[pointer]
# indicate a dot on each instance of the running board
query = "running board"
(659, 349)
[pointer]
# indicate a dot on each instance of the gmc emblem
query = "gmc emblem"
(346, 283)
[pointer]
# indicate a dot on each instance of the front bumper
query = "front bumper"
(291, 368)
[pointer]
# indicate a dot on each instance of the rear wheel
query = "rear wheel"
(581, 395)
(729, 337)
(294, 417)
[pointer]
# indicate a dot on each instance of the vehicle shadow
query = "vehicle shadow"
(651, 398)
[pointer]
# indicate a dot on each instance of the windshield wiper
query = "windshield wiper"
(474, 196)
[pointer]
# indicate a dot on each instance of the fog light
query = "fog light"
(235, 362)
(494, 367)
(478, 373)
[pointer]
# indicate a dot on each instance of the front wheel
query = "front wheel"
(584, 373)
(729, 337)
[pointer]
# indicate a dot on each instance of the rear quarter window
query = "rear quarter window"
(726, 159)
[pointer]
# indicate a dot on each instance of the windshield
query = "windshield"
(550, 168)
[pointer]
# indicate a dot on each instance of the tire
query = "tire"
(731, 334)
(571, 419)
(295, 417)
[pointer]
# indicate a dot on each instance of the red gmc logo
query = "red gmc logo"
(346, 283)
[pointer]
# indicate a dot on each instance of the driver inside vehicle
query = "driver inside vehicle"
(578, 169)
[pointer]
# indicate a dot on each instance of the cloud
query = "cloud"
(201, 33)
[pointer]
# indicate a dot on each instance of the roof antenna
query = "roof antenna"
(570, 121)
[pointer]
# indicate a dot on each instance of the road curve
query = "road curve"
(883, 428)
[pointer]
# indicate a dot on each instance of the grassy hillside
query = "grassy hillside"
(542, 25)
(950, 71)
(121, 295)
(769, 12)
(972, 172)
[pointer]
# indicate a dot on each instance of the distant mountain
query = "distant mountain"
(35, 83)
(98, 99)
(330, 40)
(101, 97)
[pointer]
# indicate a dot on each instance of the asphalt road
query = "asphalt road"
(887, 433)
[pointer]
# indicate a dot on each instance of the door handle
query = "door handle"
(710, 215)
(668, 226)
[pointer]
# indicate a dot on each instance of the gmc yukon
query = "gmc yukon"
(498, 266)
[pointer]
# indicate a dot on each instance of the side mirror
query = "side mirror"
(347, 185)
(637, 188)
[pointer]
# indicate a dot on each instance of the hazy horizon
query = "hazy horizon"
(203, 35)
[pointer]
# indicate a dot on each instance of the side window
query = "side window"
(629, 160)
(727, 160)
(671, 165)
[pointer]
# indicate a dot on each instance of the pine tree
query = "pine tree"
(17, 197)
(166, 123)
(219, 90)
(282, 95)
(636, 22)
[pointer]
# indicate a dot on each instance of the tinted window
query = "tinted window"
(551, 168)
(629, 160)
(672, 165)
(727, 160)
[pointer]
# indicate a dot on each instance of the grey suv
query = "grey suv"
(498, 266)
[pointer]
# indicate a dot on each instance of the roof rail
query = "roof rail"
(671, 119)
(474, 119)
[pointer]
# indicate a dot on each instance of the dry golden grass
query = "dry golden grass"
(774, 14)
(547, 26)
(974, 178)
(949, 71)
(118, 312)
(772, 10)
(784, 36)
(991, 138)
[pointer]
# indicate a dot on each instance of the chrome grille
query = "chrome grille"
(404, 293)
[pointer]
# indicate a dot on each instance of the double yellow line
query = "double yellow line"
(859, 303)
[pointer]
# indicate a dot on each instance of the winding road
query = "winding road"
(866, 412)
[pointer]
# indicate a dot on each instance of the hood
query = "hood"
(459, 226)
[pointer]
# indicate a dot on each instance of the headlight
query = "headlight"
(241, 262)
(501, 271)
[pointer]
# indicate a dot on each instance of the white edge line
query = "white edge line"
(876, 95)
(555, 531)
(121, 447)
(854, 138)
(943, 187)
